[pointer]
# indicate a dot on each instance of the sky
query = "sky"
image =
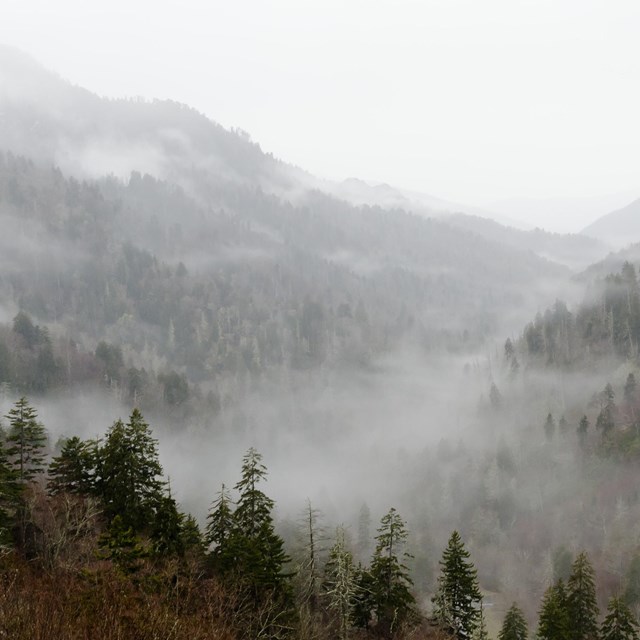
(475, 101)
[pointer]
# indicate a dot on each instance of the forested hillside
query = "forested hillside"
(392, 368)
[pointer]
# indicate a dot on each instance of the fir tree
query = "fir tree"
(514, 626)
(393, 601)
(73, 470)
(219, 532)
(619, 623)
(167, 528)
(120, 545)
(581, 600)
(27, 441)
(128, 473)
(9, 496)
(458, 594)
(259, 551)
(553, 622)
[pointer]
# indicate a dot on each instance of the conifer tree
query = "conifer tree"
(129, 473)
(606, 420)
(581, 600)
(219, 533)
(458, 594)
(27, 441)
(514, 626)
(166, 530)
(73, 470)
(9, 496)
(393, 601)
(554, 623)
(120, 545)
(619, 623)
(259, 551)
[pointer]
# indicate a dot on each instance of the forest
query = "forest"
(368, 421)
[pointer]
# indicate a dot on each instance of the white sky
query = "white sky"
(470, 100)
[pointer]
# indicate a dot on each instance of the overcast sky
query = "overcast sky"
(470, 100)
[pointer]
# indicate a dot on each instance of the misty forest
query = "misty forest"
(241, 402)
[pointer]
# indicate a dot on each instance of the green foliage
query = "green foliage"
(120, 545)
(554, 622)
(73, 470)
(514, 626)
(458, 595)
(129, 473)
(219, 533)
(581, 600)
(619, 623)
(166, 532)
(391, 597)
(27, 441)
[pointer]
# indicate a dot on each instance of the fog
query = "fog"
(354, 333)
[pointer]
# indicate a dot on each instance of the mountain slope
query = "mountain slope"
(618, 228)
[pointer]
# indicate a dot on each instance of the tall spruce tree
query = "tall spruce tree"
(73, 470)
(458, 595)
(129, 473)
(619, 623)
(553, 622)
(259, 551)
(27, 441)
(514, 626)
(393, 601)
(581, 600)
(219, 533)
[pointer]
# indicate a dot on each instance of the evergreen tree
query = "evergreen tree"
(514, 626)
(619, 623)
(458, 594)
(167, 529)
(73, 470)
(9, 496)
(581, 600)
(259, 551)
(554, 622)
(128, 473)
(480, 632)
(393, 601)
(120, 545)
(219, 533)
(27, 441)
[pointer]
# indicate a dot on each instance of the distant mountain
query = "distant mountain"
(619, 228)
(612, 263)
(560, 214)
(573, 250)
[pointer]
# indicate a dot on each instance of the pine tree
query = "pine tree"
(458, 594)
(606, 420)
(619, 623)
(9, 496)
(581, 600)
(129, 473)
(219, 533)
(27, 440)
(167, 529)
(514, 626)
(73, 470)
(259, 551)
(554, 623)
(393, 601)
(120, 545)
